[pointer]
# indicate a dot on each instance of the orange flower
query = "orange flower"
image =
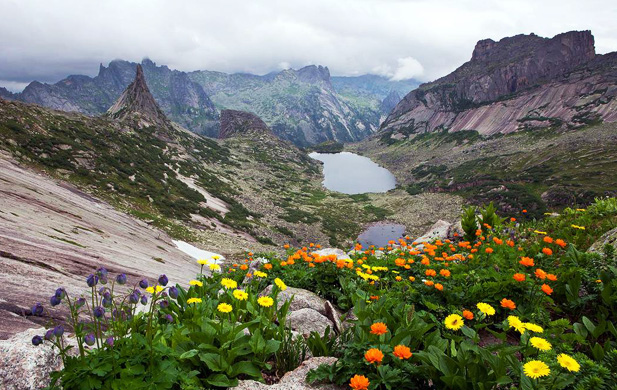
(379, 328)
(524, 211)
(474, 250)
(398, 278)
(286, 246)
(374, 297)
(400, 262)
(510, 243)
(548, 240)
(527, 261)
(268, 266)
(311, 265)
(359, 382)
(497, 241)
(560, 242)
(244, 267)
(508, 304)
(512, 219)
(551, 277)
(412, 279)
(547, 251)
(547, 289)
(429, 283)
(540, 274)
(373, 355)
(489, 250)
(445, 273)
(430, 272)
(467, 314)
(425, 261)
(439, 286)
(519, 277)
(402, 352)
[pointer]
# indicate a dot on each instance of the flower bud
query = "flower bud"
(169, 318)
(58, 331)
(134, 297)
(89, 339)
(144, 300)
(54, 301)
(49, 334)
(107, 302)
(121, 279)
(173, 292)
(110, 341)
(80, 302)
(98, 312)
(164, 304)
(36, 340)
(143, 283)
(163, 280)
(37, 310)
(92, 280)
(102, 271)
(60, 293)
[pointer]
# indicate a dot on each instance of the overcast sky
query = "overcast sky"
(47, 40)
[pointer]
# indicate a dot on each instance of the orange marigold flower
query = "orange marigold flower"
(547, 289)
(379, 328)
(540, 274)
(547, 251)
(497, 241)
(527, 261)
(244, 267)
(444, 273)
(268, 266)
(510, 243)
(551, 277)
(430, 272)
(560, 242)
(474, 250)
(402, 352)
(286, 246)
(374, 297)
(400, 262)
(519, 277)
(548, 240)
(373, 355)
(359, 382)
(439, 286)
(425, 261)
(508, 304)
(311, 265)
(524, 211)
(512, 219)
(468, 314)
(398, 278)
(489, 250)
(429, 283)
(412, 279)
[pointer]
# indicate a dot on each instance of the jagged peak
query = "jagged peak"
(234, 122)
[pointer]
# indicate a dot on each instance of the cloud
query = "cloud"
(423, 39)
(13, 86)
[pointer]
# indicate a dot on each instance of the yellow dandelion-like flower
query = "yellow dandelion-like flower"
(486, 308)
(540, 343)
(240, 295)
(203, 261)
(539, 232)
(214, 267)
(153, 289)
(265, 301)
(533, 327)
(196, 283)
(260, 274)
(454, 322)
(229, 283)
(516, 323)
(216, 257)
(193, 300)
(568, 362)
(536, 369)
(224, 307)
(280, 284)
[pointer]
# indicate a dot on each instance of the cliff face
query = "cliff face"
(517, 83)
(235, 122)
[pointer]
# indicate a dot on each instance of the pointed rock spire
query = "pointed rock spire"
(136, 102)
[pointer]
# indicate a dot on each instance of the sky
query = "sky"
(47, 40)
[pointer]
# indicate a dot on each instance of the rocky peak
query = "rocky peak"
(482, 49)
(314, 74)
(235, 122)
(137, 102)
(5, 93)
(390, 102)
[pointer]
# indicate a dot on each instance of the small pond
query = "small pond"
(380, 233)
(351, 174)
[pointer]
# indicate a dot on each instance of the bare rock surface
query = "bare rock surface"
(294, 380)
(608, 238)
(305, 321)
(439, 231)
(339, 253)
(54, 235)
(302, 299)
(235, 122)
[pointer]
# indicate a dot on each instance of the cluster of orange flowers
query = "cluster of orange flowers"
(539, 273)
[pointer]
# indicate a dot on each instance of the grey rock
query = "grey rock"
(340, 254)
(439, 231)
(305, 321)
(608, 238)
(333, 315)
(302, 299)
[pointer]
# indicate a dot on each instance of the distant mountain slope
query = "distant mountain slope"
(521, 82)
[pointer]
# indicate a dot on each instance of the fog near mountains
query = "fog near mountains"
(45, 40)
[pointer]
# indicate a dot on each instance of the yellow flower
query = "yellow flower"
(533, 327)
(536, 369)
(540, 343)
(486, 308)
(581, 210)
(229, 283)
(280, 284)
(260, 274)
(224, 307)
(196, 283)
(578, 227)
(156, 288)
(568, 362)
(203, 261)
(454, 322)
(193, 300)
(240, 295)
(216, 257)
(539, 232)
(265, 301)
(214, 267)
(516, 323)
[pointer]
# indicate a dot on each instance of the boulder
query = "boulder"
(305, 321)
(608, 238)
(24, 366)
(333, 315)
(439, 231)
(294, 380)
(340, 254)
(302, 299)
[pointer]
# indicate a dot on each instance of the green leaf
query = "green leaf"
(213, 361)
(221, 380)
(189, 354)
(246, 368)
(589, 325)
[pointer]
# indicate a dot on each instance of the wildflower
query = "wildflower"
(229, 283)
(489, 250)
(445, 273)
(398, 278)
(224, 307)
(214, 267)
(98, 311)
(268, 266)
(486, 308)
(154, 289)
(121, 279)
(508, 304)
(240, 295)
(260, 274)
(134, 297)
(560, 242)
(373, 355)
(539, 232)
(163, 280)
(547, 289)
(143, 283)
(516, 323)
(540, 343)
(359, 382)
(454, 322)
(80, 302)
(497, 241)
(548, 240)
(37, 340)
(244, 267)
(547, 251)
(578, 227)
(173, 292)
(540, 274)
(519, 277)
(203, 261)
(92, 280)
(286, 246)
(400, 262)
(280, 284)
(196, 283)
(429, 283)
(468, 314)
(164, 304)
(193, 300)
(89, 339)
(412, 279)
(536, 369)
(379, 328)
(533, 327)
(109, 341)
(265, 301)
(144, 300)
(568, 362)
(551, 277)
(430, 272)
(526, 261)
(49, 334)
(58, 331)
(402, 352)
(439, 286)
(37, 310)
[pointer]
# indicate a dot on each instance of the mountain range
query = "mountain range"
(306, 106)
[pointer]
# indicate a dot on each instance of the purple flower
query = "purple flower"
(169, 318)
(54, 300)
(134, 297)
(110, 341)
(163, 280)
(164, 304)
(80, 302)
(49, 334)
(58, 331)
(89, 339)
(101, 271)
(107, 302)
(36, 340)
(144, 300)
(98, 312)
(121, 279)
(37, 309)
(92, 280)
(60, 293)
(143, 283)
(173, 292)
